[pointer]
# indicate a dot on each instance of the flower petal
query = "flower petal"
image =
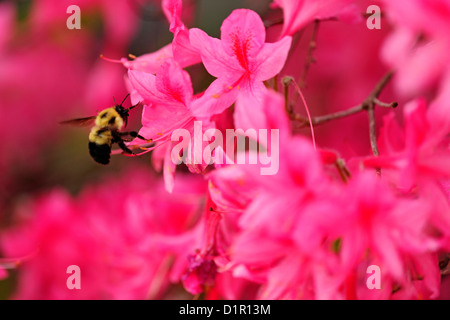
(174, 83)
(271, 59)
(144, 84)
(171, 87)
(298, 13)
(172, 10)
(243, 34)
(160, 120)
(215, 100)
(183, 52)
(214, 58)
(249, 112)
(150, 62)
(169, 170)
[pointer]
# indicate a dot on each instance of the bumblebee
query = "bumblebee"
(106, 131)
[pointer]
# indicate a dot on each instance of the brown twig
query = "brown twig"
(328, 117)
(342, 170)
(310, 58)
(371, 100)
(372, 133)
(368, 105)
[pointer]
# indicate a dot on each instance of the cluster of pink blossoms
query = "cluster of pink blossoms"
(314, 228)
(128, 236)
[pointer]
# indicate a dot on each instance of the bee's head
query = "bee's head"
(123, 112)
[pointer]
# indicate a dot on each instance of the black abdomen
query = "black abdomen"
(100, 152)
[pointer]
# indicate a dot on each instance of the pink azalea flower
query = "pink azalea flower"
(437, 114)
(289, 232)
(184, 53)
(280, 244)
(167, 97)
(299, 13)
(227, 193)
(157, 230)
(391, 228)
(308, 231)
(417, 154)
(149, 62)
(172, 9)
(180, 49)
(229, 287)
(177, 11)
(416, 159)
(424, 281)
(417, 49)
(267, 247)
(266, 113)
(303, 234)
(202, 269)
(52, 244)
(114, 232)
(201, 273)
(241, 60)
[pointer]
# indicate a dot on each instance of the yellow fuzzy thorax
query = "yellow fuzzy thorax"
(109, 118)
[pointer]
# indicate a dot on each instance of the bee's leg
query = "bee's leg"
(122, 146)
(133, 134)
(128, 140)
(120, 142)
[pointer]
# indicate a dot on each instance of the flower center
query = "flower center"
(241, 46)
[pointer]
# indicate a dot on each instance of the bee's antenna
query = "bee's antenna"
(122, 101)
(125, 99)
(134, 106)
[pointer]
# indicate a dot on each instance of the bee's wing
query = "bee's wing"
(80, 122)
